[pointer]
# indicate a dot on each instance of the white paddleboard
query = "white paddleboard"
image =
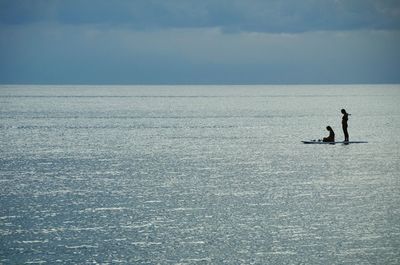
(339, 142)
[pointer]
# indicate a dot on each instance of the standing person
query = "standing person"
(345, 118)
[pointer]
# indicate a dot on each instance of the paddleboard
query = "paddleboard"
(339, 142)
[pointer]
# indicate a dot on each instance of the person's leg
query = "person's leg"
(346, 133)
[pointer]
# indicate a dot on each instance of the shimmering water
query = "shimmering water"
(198, 175)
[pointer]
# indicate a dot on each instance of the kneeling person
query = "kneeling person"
(331, 137)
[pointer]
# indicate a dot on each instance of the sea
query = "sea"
(198, 174)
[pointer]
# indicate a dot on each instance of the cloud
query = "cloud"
(230, 15)
(52, 53)
(191, 41)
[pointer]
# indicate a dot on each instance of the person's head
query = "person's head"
(343, 111)
(329, 128)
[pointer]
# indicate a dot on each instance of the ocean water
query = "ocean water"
(198, 175)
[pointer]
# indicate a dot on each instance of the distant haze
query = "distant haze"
(199, 42)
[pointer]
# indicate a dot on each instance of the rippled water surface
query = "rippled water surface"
(198, 175)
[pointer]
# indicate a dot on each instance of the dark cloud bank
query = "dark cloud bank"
(245, 15)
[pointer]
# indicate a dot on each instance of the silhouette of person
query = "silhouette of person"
(345, 118)
(331, 137)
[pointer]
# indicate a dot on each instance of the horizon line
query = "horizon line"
(192, 84)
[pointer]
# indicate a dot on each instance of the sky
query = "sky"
(199, 41)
